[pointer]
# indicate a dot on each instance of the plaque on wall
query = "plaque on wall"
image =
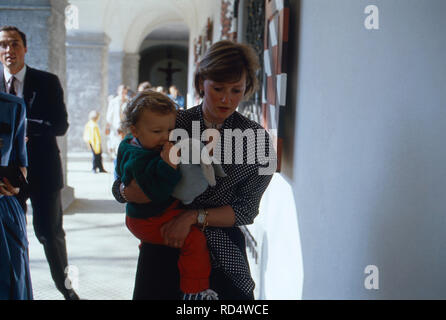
(253, 36)
(275, 69)
(201, 44)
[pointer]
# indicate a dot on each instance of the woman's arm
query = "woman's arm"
(130, 193)
(24, 171)
(242, 211)
(176, 230)
(218, 217)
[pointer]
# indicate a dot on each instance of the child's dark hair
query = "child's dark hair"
(146, 100)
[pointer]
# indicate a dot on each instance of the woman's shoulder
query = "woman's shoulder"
(245, 124)
(242, 122)
(186, 116)
(188, 112)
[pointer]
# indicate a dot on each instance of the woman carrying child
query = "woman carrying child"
(224, 77)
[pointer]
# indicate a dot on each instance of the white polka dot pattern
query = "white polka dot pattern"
(242, 189)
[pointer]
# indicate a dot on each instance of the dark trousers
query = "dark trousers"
(97, 161)
(158, 278)
(47, 222)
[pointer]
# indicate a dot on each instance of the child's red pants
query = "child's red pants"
(194, 262)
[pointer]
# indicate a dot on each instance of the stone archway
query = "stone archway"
(164, 56)
(164, 65)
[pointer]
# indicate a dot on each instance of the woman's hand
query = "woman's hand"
(7, 189)
(133, 193)
(176, 230)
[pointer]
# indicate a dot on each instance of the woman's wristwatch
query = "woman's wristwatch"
(202, 218)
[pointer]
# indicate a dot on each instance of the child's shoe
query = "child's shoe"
(203, 295)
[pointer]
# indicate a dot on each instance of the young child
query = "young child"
(143, 155)
(92, 137)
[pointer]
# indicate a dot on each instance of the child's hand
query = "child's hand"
(168, 154)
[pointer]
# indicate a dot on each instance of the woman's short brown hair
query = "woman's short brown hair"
(226, 61)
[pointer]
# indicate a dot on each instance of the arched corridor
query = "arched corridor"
(362, 119)
(164, 56)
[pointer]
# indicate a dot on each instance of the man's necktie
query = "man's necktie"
(12, 86)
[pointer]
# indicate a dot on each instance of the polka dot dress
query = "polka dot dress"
(242, 189)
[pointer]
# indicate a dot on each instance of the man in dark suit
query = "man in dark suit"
(46, 119)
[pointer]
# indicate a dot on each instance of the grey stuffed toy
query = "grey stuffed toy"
(195, 178)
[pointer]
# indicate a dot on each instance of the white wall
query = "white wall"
(278, 272)
(364, 153)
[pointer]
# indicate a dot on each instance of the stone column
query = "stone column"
(115, 60)
(43, 23)
(130, 70)
(123, 68)
(87, 82)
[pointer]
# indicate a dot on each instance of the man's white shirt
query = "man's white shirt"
(19, 82)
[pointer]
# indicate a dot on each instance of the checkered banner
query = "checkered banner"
(275, 68)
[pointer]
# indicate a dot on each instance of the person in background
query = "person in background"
(161, 89)
(144, 155)
(143, 86)
(130, 94)
(175, 95)
(92, 138)
(47, 119)
(113, 120)
(15, 278)
(225, 76)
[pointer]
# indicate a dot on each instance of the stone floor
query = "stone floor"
(101, 251)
